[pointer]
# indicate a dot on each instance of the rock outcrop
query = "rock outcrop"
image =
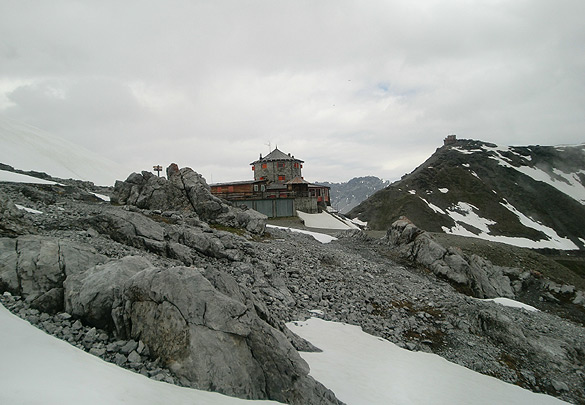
(91, 295)
(12, 220)
(35, 267)
(214, 341)
(478, 276)
(184, 190)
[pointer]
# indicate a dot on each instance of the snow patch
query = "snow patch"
(320, 237)
(432, 206)
(359, 222)
(102, 197)
(507, 302)
(31, 210)
(325, 220)
(364, 369)
(464, 213)
(11, 177)
(412, 192)
(567, 183)
(28, 148)
(562, 243)
(444, 190)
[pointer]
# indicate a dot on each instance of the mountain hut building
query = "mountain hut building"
(278, 188)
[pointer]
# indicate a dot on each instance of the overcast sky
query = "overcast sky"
(353, 88)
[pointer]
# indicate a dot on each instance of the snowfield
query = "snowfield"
(26, 147)
(325, 220)
(364, 369)
(12, 177)
(361, 369)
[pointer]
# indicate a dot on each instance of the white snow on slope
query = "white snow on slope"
(39, 369)
(27, 209)
(568, 183)
(549, 232)
(12, 177)
(324, 220)
(364, 369)
(507, 302)
(25, 147)
(464, 213)
(432, 206)
(321, 237)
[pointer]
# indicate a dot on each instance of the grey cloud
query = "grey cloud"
(375, 85)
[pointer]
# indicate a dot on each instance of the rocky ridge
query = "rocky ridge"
(478, 188)
(259, 281)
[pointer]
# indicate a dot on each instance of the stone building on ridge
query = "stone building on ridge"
(278, 188)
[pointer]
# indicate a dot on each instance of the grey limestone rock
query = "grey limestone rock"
(185, 190)
(91, 295)
(481, 277)
(36, 267)
(210, 337)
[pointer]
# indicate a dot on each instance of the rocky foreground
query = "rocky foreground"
(180, 286)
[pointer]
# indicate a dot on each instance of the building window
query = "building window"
(280, 178)
(296, 165)
(263, 187)
(255, 187)
(280, 165)
(264, 165)
(262, 178)
(253, 168)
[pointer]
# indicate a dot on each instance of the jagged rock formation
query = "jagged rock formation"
(479, 276)
(185, 190)
(534, 193)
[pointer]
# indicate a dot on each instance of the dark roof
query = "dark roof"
(275, 155)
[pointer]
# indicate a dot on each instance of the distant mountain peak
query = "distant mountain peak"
(531, 196)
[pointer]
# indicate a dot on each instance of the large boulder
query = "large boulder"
(91, 295)
(184, 190)
(477, 276)
(212, 338)
(35, 267)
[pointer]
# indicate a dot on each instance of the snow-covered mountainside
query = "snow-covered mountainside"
(26, 147)
(345, 196)
(531, 196)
